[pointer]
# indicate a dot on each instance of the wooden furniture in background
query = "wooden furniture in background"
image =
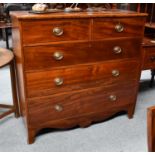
(151, 128)
(149, 40)
(5, 26)
(7, 57)
(76, 68)
(149, 56)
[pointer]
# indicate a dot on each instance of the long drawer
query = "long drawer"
(43, 31)
(57, 55)
(117, 27)
(45, 110)
(80, 77)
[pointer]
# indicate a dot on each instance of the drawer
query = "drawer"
(80, 77)
(57, 55)
(49, 109)
(43, 31)
(117, 27)
(149, 58)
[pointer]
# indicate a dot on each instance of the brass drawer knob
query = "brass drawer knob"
(112, 97)
(58, 108)
(57, 31)
(119, 28)
(115, 73)
(58, 81)
(58, 55)
(117, 50)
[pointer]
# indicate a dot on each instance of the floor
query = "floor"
(118, 134)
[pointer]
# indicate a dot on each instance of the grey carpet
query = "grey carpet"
(116, 134)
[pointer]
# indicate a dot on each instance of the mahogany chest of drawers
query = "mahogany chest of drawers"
(76, 68)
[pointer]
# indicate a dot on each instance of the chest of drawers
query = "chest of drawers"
(76, 68)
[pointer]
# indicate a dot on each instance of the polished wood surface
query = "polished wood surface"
(148, 53)
(6, 57)
(42, 83)
(149, 58)
(105, 28)
(75, 70)
(151, 128)
(94, 100)
(42, 30)
(42, 57)
(25, 15)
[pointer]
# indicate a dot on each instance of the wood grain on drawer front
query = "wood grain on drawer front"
(105, 27)
(41, 31)
(59, 107)
(80, 77)
(42, 57)
(149, 58)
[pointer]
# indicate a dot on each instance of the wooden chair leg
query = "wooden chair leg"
(151, 129)
(10, 110)
(152, 77)
(14, 88)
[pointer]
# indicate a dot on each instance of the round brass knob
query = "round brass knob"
(115, 73)
(112, 97)
(58, 55)
(119, 28)
(58, 107)
(57, 31)
(58, 81)
(117, 50)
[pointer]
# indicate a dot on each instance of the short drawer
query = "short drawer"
(117, 27)
(149, 58)
(58, 55)
(80, 77)
(45, 110)
(43, 31)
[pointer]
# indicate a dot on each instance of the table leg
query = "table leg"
(14, 88)
(7, 38)
(152, 77)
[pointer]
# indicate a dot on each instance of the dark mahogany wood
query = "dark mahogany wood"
(151, 128)
(149, 57)
(80, 77)
(42, 30)
(105, 28)
(41, 57)
(78, 103)
(89, 93)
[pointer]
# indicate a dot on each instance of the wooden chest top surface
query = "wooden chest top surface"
(109, 13)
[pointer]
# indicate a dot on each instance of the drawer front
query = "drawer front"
(149, 58)
(43, 31)
(57, 55)
(59, 107)
(117, 27)
(80, 77)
